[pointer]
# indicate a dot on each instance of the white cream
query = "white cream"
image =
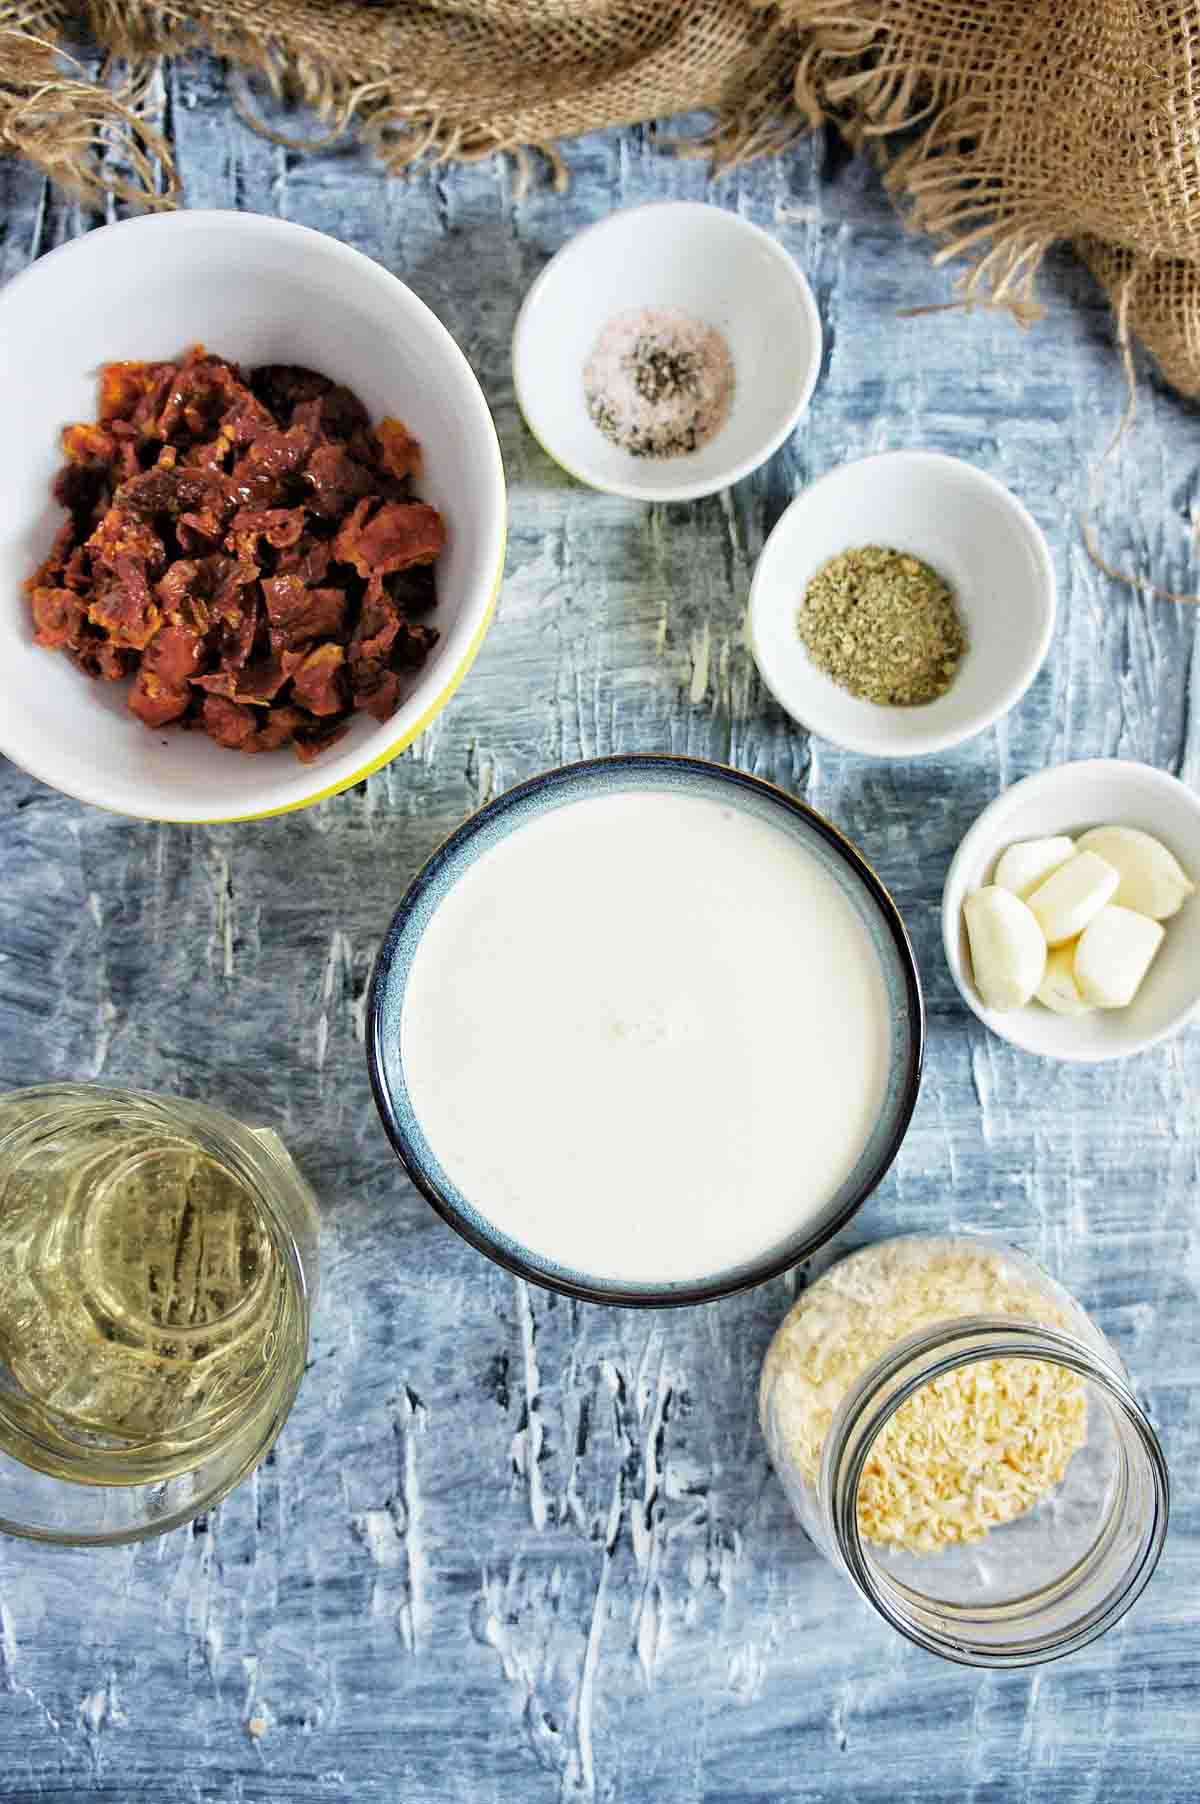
(647, 1036)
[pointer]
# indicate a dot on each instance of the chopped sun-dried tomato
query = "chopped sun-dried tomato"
(58, 617)
(336, 481)
(297, 613)
(228, 722)
(400, 534)
(263, 476)
(375, 687)
(119, 534)
(174, 655)
(89, 445)
(155, 702)
(247, 549)
(378, 624)
(122, 386)
(399, 451)
(127, 610)
(309, 560)
(319, 682)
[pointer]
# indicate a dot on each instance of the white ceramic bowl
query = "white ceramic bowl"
(256, 290)
(972, 531)
(1070, 798)
(709, 263)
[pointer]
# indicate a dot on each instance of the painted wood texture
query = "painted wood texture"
(509, 1547)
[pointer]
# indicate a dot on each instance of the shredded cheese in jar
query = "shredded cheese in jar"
(976, 1447)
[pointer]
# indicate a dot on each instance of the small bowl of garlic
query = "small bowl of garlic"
(1070, 915)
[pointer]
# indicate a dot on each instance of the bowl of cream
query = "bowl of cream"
(646, 1030)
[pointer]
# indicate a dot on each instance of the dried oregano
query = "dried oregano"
(884, 626)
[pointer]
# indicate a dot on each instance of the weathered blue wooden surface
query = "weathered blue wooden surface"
(510, 1547)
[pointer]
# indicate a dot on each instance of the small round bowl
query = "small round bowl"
(707, 262)
(1070, 798)
(255, 290)
(974, 533)
(529, 802)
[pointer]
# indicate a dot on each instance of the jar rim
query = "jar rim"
(951, 1345)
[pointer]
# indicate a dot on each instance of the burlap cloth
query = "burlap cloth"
(1003, 125)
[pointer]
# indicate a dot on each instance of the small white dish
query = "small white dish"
(1070, 798)
(670, 254)
(973, 532)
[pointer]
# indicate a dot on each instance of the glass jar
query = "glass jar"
(956, 1434)
(158, 1268)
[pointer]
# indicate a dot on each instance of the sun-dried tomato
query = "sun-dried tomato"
(399, 534)
(319, 682)
(246, 548)
(336, 481)
(155, 702)
(58, 617)
(298, 613)
(399, 451)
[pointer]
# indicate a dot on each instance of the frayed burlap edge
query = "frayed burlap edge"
(370, 108)
(819, 61)
(941, 191)
(753, 115)
(935, 180)
(840, 77)
(93, 139)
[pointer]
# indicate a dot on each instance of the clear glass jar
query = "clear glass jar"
(158, 1268)
(1040, 1551)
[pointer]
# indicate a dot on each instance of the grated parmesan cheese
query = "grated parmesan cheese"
(975, 1448)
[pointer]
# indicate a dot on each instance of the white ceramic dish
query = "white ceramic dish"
(973, 532)
(257, 290)
(1069, 798)
(669, 254)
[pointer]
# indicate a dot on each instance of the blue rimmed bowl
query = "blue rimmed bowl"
(530, 801)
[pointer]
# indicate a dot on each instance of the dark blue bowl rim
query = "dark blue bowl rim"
(643, 1296)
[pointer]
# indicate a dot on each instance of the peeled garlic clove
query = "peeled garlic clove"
(1030, 862)
(1008, 950)
(1058, 989)
(1114, 953)
(1153, 882)
(1068, 899)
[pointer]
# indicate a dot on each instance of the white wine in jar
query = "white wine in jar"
(150, 1310)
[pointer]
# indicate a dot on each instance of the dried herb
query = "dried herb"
(884, 626)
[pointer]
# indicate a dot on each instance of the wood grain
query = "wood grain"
(510, 1547)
